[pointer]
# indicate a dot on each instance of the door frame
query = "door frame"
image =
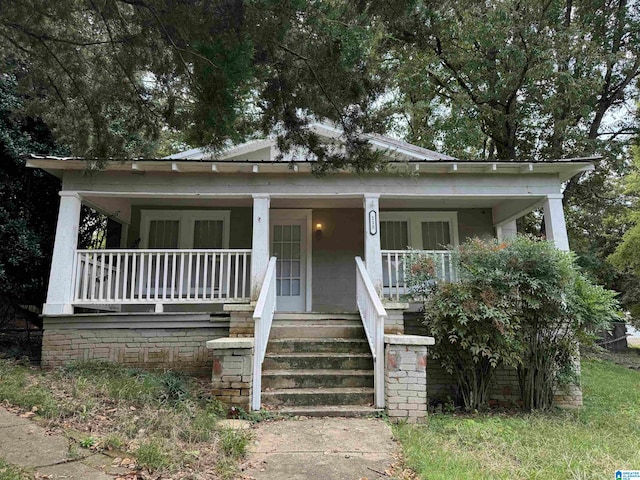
(284, 214)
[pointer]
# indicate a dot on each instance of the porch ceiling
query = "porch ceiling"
(446, 203)
(121, 205)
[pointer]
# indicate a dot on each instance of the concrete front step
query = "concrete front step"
(315, 317)
(280, 379)
(317, 361)
(330, 411)
(329, 330)
(318, 345)
(318, 396)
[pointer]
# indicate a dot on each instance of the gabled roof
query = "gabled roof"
(267, 150)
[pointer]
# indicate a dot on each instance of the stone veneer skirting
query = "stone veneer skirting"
(151, 341)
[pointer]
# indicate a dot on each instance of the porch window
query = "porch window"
(435, 234)
(163, 233)
(418, 230)
(427, 231)
(394, 234)
(185, 229)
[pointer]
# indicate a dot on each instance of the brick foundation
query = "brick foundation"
(180, 349)
(232, 378)
(241, 323)
(394, 324)
(405, 377)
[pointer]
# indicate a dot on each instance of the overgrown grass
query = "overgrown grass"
(167, 421)
(9, 472)
(588, 444)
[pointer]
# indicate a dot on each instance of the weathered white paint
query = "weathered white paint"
(555, 227)
(507, 210)
(61, 275)
(171, 276)
(372, 254)
(259, 243)
(119, 209)
(373, 317)
(506, 231)
(395, 263)
(190, 185)
(263, 318)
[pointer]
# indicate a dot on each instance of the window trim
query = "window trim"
(414, 221)
(187, 219)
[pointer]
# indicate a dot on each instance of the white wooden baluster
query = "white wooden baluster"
(165, 274)
(189, 265)
(228, 291)
(205, 267)
(244, 274)
(148, 289)
(197, 265)
(181, 277)
(213, 275)
(116, 293)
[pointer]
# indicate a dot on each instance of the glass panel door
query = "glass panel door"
(288, 244)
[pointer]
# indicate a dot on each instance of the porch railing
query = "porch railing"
(161, 276)
(263, 318)
(373, 316)
(396, 262)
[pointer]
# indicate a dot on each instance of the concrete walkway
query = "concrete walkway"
(321, 449)
(25, 444)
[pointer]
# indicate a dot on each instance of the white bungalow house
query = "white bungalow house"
(192, 261)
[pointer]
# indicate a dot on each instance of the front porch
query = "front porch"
(185, 255)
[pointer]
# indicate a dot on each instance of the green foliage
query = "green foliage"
(626, 256)
(28, 201)
(16, 388)
(152, 456)
(117, 77)
(167, 388)
(9, 472)
(232, 446)
(522, 304)
(233, 442)
(87, 442)
(589, 443)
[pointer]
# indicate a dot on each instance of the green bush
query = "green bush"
(522, 303)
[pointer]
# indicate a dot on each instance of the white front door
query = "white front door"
(289, 234)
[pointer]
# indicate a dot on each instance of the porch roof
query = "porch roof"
(262, 156)
(564, 168)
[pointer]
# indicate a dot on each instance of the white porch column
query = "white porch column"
(506, 231)
(60, 294)
(372, 253)
(555, 227)
(260, 243)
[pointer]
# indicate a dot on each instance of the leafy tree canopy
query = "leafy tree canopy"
(112, 76)
(28, 202)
